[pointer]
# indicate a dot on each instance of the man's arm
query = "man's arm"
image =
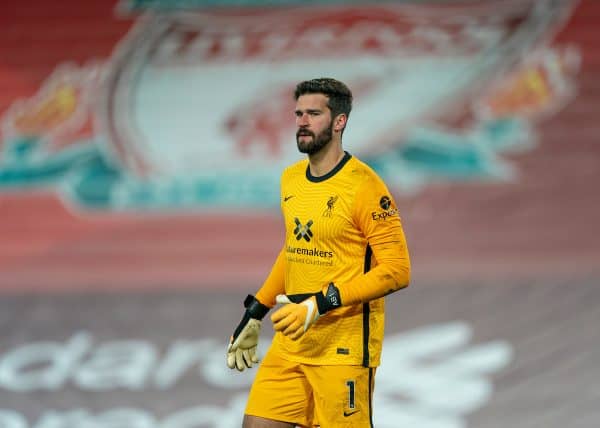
(387, 267)
(241, 352)
(275, 282)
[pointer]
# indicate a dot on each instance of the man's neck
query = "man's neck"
(325, 160)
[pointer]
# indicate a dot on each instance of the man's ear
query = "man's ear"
(340, 122)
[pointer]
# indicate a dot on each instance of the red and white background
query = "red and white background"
(140, 150)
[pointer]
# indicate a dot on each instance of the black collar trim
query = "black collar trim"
(340, 165)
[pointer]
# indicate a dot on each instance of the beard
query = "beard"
(318, 141)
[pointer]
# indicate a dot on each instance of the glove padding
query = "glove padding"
(293, 319)
(241, 352)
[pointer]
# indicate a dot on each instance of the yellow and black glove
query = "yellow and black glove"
(241, 352)
(301, 311)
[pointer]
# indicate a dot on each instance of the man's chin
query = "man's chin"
(305, 148)
(304, 144)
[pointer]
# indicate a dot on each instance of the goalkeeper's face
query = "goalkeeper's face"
(314, 122)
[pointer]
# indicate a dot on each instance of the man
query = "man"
(344, 250)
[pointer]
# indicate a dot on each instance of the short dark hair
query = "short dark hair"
(338, 94)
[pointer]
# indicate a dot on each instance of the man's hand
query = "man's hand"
(293, 319)
(241, 352)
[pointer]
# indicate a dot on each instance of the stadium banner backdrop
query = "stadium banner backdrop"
(141, 143)
(154, 132)
(500, 357)
(190, 108)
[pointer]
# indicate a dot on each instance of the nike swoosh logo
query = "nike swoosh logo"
(346, 414)
(287, 197)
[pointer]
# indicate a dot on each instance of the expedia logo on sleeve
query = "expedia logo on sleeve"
(388, 211)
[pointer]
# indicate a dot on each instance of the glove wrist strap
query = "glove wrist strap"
(254, 308)
(330, 300)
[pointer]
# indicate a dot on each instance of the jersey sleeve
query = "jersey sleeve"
(275, 282)
(376, 215)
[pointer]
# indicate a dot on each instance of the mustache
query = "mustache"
(303, 132)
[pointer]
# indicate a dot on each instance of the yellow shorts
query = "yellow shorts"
(325, 396)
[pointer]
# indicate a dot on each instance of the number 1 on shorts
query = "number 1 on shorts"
(350, 385)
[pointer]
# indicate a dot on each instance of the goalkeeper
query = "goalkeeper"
(344, 250)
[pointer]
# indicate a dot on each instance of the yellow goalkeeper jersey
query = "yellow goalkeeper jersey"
(344, 228)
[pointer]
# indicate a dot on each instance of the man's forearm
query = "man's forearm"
(275, 282)
(378, 282)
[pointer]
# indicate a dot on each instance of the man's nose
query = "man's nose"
(302, 120)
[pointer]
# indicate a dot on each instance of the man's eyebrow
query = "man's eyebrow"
(310, 110)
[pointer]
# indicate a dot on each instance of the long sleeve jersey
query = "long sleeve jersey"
(343, 227)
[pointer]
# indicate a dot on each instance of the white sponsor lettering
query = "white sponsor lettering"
(194, 417)
(10, 419)
(419, 368)
(132, 365)
(18, 370)
(378, 37)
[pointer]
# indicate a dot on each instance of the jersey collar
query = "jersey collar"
(331, 173)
